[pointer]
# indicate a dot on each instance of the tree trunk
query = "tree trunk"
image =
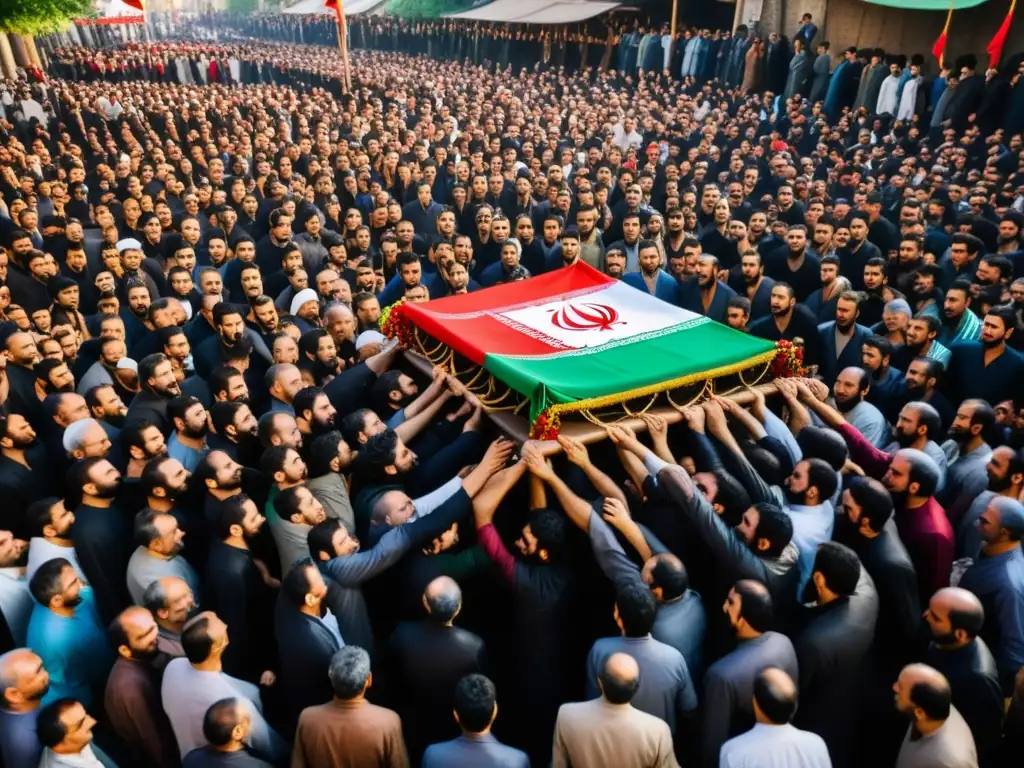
(33, 52)
(20, 52)
(7, 64)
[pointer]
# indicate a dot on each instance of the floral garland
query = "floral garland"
(545, 426)
(788, 361)
(395, 324)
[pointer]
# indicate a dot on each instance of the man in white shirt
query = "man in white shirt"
(50, 522)
(65, 730)
(773, 742)
(15, 600)
(193, 684)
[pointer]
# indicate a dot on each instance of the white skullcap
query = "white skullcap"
(306, 294)
(370, 337)
(128, 244)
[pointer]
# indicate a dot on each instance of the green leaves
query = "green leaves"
(37, 17)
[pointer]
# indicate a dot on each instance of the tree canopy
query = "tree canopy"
(37, 17)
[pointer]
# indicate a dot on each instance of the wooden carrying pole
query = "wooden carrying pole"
(675, 15)
(518, 428)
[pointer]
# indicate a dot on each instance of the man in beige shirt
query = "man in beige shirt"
(609, 731)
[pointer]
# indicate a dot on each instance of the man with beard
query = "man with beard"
(754, 285)
(264, 315)
(171, 603)
(314, 413)
(997, 578)
(790, 320)
(836, 633)
(921, 342)
(161, 542)
(319, 356)
(367, 310)
(912, 477)
(239, 590)
(142, 442)
(808, 490)
(921, 385)
(51, 521)
(65, 631)
(959, 323)
(823, 301)
(22, 356)
(103, 372)
(229, 322)
(858, 251)
(294, 513)
(187, 443)
(24, 682)
(986, 369)
(794, 265)
(706, 294)
(851, 390)
(969, 454)
(955, 617)
(1005, 474)
(938, 734)
(650, 277)
(993, 271)
(22, 479)
(729, 682)
(235, 432)
(158, 386)
(917, 426)
(282, 382)
(163, 484)
(227, 385)
(843, 338)
(329, 457)
(132, 698)
(887, 383)
(865, 525)
(340, 323)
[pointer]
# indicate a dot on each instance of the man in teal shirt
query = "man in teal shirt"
(65, 632)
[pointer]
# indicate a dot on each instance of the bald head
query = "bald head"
(133, 633)
(774, 696)
(923, 693)
(619, 678)
(443, 599)
(23, 680)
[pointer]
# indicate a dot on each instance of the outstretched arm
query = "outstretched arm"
(577, 509)
(799, 416)
(657, 428)
(415, 422)
(577, 453)
(617, 515)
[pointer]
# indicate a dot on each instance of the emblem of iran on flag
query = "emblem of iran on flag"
(576, 335)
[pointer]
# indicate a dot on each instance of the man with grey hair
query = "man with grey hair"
(349, 730)
(171, 602)
(84, 439)
(997, 578)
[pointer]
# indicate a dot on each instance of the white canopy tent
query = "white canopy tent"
(537, 11)
(351, 8)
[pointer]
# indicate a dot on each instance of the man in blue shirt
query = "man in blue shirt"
(65, 631)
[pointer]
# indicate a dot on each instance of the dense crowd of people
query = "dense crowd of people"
(238, 529)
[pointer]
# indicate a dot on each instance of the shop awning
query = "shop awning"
(537, 11)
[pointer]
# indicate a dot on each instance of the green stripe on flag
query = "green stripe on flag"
(622, 367)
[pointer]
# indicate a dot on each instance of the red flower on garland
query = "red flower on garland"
(788, 361)
(545, 427)
(395, 324)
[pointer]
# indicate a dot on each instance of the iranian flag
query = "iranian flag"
(577, 336)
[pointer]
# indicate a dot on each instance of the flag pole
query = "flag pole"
(339, 13)
(939, 48)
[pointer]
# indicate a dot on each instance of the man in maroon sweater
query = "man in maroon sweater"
(911, 477)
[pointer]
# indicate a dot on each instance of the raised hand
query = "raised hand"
(615, 512)
(657, 427)
(575, 451)
(535, 462)
(695, 417)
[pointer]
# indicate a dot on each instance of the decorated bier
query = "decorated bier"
(575, 341)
